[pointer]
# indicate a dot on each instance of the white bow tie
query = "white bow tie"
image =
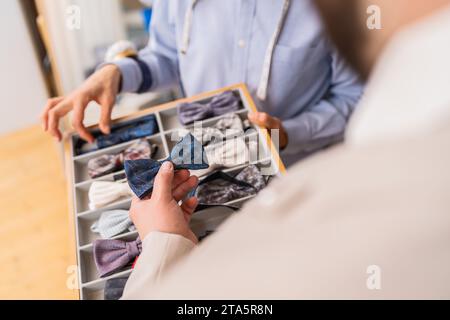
(228, 154)
(103, 193)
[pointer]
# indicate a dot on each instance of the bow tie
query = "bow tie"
(222, 104)
(102, 193)
(120, 133)
(220, 187)
(230, 125)
(187, 154)
(112, 255)
(114, 288)
(228, 154)
(107, 164)
(113, 223)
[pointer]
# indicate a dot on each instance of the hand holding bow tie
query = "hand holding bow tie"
(187, 154)
(161, 212)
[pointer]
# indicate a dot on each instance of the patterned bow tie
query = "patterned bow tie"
(112, 255)
(120, 133)
(102, 193)
(230, 125)
(106, 164)
(222, 104)
(228, 154)
(220, 187)
(187, 154)
(113, 223)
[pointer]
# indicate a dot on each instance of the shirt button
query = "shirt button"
(241, 43)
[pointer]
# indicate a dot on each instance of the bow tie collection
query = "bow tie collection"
(112, 256)
(222, 104)
(187, 154)
(106, 164)
(120, 133)
(222, 145)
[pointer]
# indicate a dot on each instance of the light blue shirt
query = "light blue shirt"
(310, 88)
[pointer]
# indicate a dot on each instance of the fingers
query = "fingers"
(54, 115)
(162, 190)
(183, 189)
(264, 120)
(51, 103)
(188, 207)
(77, 121)
(181, 176)
(105, 116)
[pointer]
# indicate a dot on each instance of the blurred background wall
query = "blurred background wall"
(22, 88)
(40, 57)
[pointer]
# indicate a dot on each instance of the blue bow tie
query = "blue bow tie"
(187, 154)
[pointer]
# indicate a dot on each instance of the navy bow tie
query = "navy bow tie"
(120, 133)
(187, 154)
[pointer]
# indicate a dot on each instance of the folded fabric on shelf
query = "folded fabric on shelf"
(222, 104)
(114, 288)
(106, 164)
(221, 187)
(120, 133)
(113, 223)
(187, 154)
(111, 256)
(103, 193)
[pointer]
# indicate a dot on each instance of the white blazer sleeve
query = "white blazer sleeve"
(160, 252)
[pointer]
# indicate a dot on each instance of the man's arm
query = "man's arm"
(160, 56)
(160, 252)
(163, 225)
(159, 60)
(324, 123)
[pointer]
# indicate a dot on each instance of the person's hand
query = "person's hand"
(161, 211)
(102, 87)
(268, 122)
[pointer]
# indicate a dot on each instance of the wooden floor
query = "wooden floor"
(35, 250)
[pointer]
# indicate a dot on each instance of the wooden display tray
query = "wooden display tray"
(90, 285)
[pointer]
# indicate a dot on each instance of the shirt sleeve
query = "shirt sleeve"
(160, 55)
(160, 252)
(324, 123)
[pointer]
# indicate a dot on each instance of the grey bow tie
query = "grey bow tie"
(222, 104)
(220, 187)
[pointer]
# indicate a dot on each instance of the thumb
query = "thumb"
(162, 188)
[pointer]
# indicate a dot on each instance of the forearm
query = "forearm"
(317, 128)
(162, 73)
(324, 123)
(160, 252)
(160, 57)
